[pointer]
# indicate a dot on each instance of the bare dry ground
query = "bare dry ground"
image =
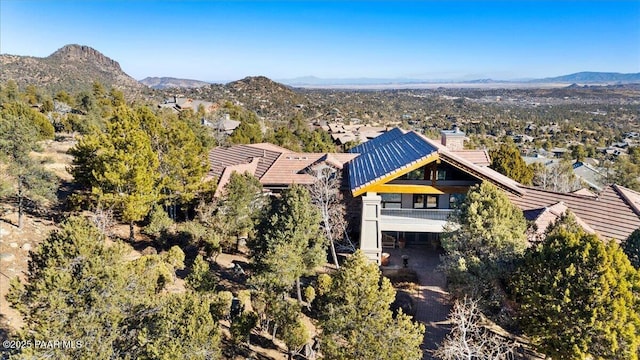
(15, 243)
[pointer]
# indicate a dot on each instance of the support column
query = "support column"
(370, 235)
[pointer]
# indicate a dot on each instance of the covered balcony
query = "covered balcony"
(418, 220)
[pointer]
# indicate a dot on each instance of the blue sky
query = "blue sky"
(228, 40)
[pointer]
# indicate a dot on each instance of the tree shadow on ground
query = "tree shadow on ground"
(5, 331)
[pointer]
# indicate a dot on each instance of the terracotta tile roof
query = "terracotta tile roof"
(631, 197)
(239, 168)
(610, 214)
(585, 192)
(546, 216)
(291, 168)
(478, 157)
(270, 147)
(221, 157)
(272, 164)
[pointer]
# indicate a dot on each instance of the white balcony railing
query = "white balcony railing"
(424, 214)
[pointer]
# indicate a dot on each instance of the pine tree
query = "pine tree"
(120, 166)
(506, 160)
(289, 243)
(240, 206)
(182, 158)
(357, 322)
(28, 180)
(579, 298)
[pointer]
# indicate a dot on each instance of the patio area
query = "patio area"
(431, 297)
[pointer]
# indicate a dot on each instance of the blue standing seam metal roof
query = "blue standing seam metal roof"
(379, 140)
(387, 158)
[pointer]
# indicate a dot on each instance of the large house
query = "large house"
(409, 184)
(405, 186)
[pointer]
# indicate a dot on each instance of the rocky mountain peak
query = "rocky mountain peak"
(83, 53)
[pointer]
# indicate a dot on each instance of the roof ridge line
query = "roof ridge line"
(618, 189)
(572, 194)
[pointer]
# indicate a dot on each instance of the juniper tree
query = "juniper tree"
(506, 160)
(578, 298)
(79, 288)
(356, 319)
(483, 240)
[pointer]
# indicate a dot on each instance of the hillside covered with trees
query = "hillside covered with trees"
(141, 251)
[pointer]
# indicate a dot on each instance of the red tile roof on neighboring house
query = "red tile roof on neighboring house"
(478, 157)
(611, 215)
(548, 215)
(221, 157)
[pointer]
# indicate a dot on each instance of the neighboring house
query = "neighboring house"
(224, 124)
(342, 134)
(542, 218)
(613, 214)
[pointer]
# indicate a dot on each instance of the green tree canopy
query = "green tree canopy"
(80, 289)
(241, 205)
(356, 320)
(631, 248)
(120, 166)
(506, 160)
(289, 243)
(27, 179)
(30, 117)
(484, 238)
(182, 158)
(579, 297)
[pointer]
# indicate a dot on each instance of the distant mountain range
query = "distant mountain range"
(170, 82)
(71, 68)
(76, 67)
(587, 77)
(580, 77)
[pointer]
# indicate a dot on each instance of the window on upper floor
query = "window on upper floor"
(422, 173)
(423, 201)
(391, 201)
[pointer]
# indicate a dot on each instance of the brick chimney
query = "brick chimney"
(453, 139)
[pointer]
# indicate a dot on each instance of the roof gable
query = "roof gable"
(396, 153)
(389, 160)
